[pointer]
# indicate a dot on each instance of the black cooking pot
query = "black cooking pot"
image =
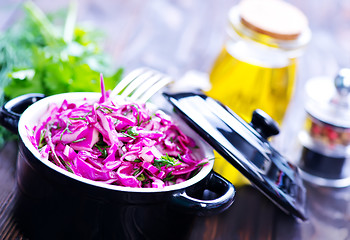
(52, 203)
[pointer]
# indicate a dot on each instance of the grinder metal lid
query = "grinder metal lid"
(245, 146)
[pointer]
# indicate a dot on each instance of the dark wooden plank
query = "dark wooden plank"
(8, 155)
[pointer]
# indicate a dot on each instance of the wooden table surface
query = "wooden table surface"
(175, 36)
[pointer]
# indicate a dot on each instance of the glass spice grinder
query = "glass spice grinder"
(325, 139)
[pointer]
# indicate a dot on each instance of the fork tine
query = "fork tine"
(155, 88)
(136, 82)
(125, 81)
(141, 84)
(146, 85)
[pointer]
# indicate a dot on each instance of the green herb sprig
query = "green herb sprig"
(49, 53)
(166, 161)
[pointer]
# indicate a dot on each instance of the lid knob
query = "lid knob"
(264, 124)
(342, 82)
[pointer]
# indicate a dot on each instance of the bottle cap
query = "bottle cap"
(274, 18)
(270, 22)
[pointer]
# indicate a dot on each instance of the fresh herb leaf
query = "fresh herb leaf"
(108, 110)
(138, 115)
(102, 147)
(127, 135)
(79, 140)
(132, 131)
(141, 177)
(169, 177)
(69, 167)
(65, 130)
(65, 164)
(201, 164)
(78, 118)
(166, 161)
(42, 137)
(137, 171)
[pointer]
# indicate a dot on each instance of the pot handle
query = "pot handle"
(12, 110)
(216, 184)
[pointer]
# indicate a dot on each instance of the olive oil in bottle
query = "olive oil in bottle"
(245, 86)
(257, 65)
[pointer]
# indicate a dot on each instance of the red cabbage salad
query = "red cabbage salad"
(120, 143)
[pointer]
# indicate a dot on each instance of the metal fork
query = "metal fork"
(141, 84)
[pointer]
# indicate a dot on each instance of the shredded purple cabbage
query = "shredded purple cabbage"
(116, 143)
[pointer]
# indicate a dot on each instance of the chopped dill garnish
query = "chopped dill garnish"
(79, 140)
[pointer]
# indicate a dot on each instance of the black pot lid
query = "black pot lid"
(245, 146)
